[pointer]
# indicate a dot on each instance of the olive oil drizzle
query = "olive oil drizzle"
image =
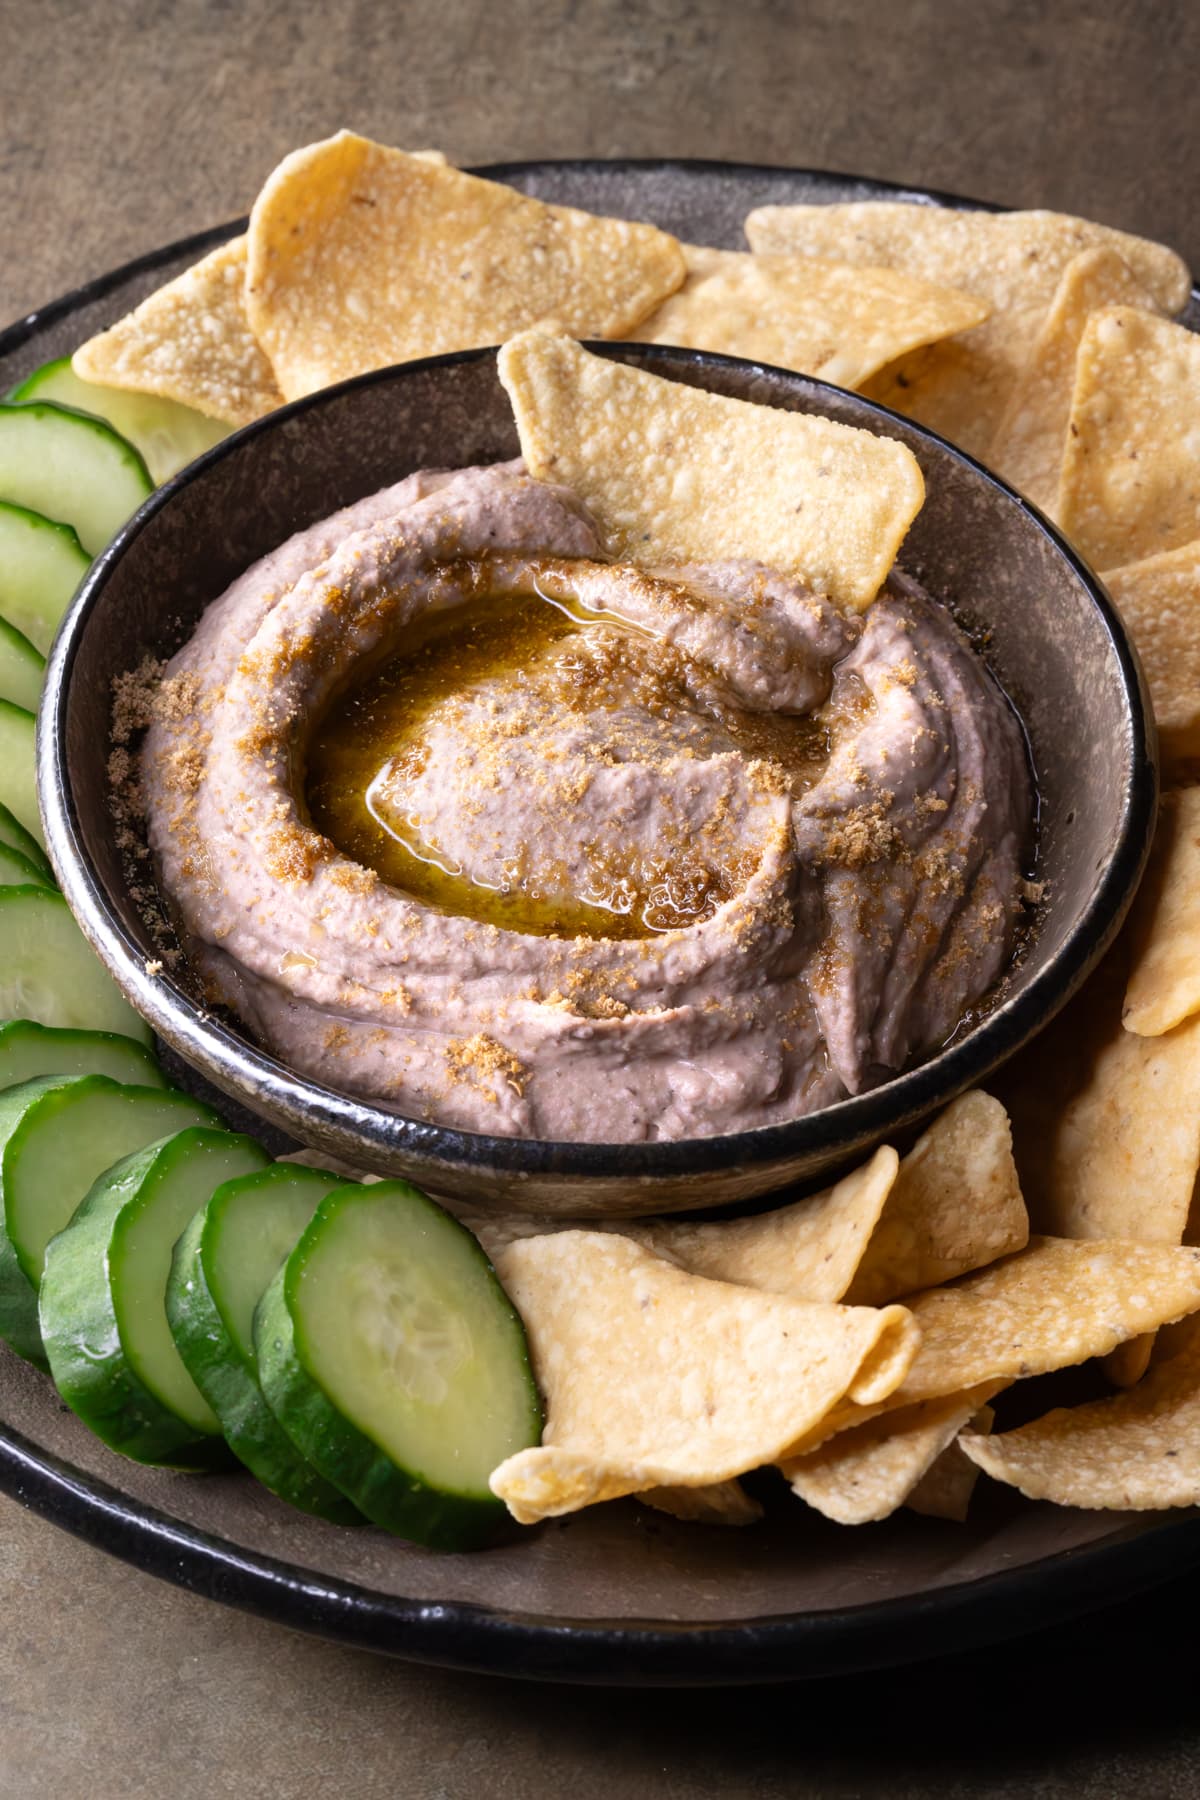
(378, 721)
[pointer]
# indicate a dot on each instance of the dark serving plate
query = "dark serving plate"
(616, 1594)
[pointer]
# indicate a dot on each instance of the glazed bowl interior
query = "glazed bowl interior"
(1049, 634)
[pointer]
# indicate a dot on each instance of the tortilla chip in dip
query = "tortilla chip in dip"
(673, 474)
(955, 1206)
(1106, 1124)
(865, 1474)
(1164, 984)
(1130, 484)
(1159, 601)
(1132, 1452)
(1031, 437)
(831, 320)
(1012, 261)
(192, 342)
(655, 1378)
(361, 256)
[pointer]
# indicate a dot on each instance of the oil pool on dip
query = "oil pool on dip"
(497, 681)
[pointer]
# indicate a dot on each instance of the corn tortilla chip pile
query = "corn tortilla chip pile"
(866, 1472)
(1013, 262)
(1164, 983)
(656, 1378)
(821, 318)
(1159, 601)
(674, 1357)
(1031, 436)
(1136, 1451)
(1130, 482)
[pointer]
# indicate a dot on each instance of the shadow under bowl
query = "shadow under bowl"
(1051, 637)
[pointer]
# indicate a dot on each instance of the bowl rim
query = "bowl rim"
(238, 1066)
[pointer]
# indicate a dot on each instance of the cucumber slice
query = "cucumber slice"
(49, 972)
(396, 1363)
(41, 565)
(167, 435)
(21, 667)
(18, 767)
(56, 1137)
(28, 1050)
(14, 835)
(101, 1304)
(68, 466)
(223, 1262)
(17, 871)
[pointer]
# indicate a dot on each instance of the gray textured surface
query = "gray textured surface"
(124, 123)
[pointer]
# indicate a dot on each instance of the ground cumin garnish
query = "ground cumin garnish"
(863, 835)
(479, 1058)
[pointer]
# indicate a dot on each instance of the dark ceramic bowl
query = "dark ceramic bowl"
(1051, 635)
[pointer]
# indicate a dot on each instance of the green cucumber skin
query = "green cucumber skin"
(18, 1309)
(17, 870)
(14, 834)
(99, 523)
(18, 1296)
(82, 1337)
(388, 1497)
(129, 412)
(63, 1050)
(214, 1363)
(18, 1292)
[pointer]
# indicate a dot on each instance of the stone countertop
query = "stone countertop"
(128, 124)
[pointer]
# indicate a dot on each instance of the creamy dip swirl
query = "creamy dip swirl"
(750, 855)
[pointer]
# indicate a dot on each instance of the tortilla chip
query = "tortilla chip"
(945, 1490)
(865, 1474)
(1159, 601)
(1164, 984)
(724, 1503)
(1126, 1365)
(1133, 1452)
(361, 256)
(1106, 1125)
(655, 1378)
(672, 474)
(950, 388)
(827, 319)
(956, 1205)
(1031, 437)
(890, 1227)
(190, 341)
(1130, 485)
(809, 1249)
(1054, 1304)
(1012, 261)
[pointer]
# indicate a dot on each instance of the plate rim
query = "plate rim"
(629, 1652)
(632, 1652)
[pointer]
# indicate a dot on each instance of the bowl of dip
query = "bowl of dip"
(457, 851)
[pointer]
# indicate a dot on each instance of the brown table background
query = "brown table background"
(127, 123)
